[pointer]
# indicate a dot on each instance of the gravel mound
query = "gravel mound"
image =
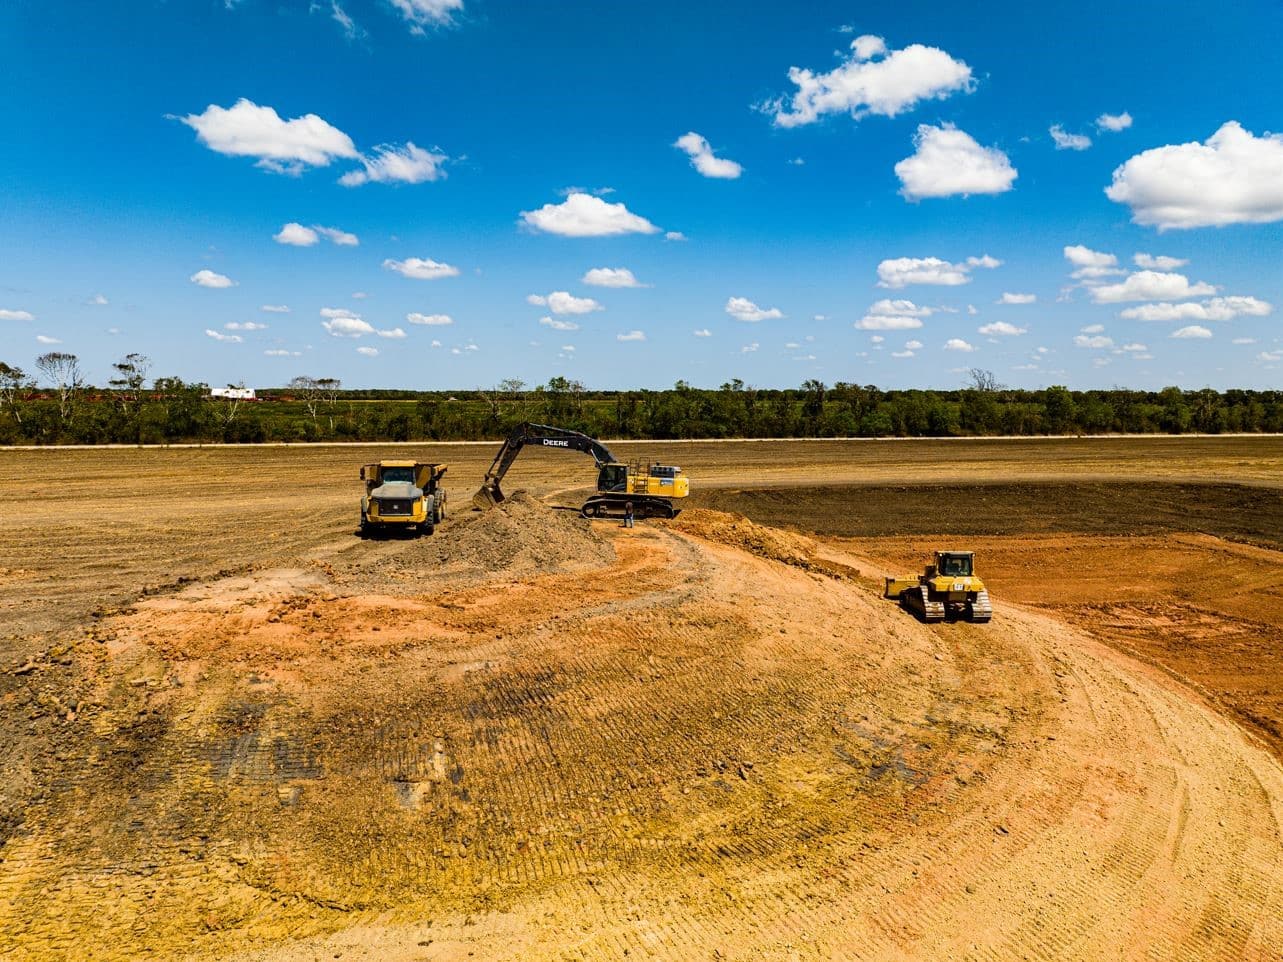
(523, 533)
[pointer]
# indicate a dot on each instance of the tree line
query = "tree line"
(58, 406)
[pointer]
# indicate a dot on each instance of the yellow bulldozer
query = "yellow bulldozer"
(404, 495)
(949, 588)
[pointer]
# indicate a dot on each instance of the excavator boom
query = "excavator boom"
(542, 435)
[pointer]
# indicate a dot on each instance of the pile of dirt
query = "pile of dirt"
(523, 533)
(724, 527)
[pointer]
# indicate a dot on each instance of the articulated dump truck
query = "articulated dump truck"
(404, 495)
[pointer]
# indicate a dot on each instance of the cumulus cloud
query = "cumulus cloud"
(1009, 298)
(431, 320)
(948, 161)
(284, 146)
(391, 164)
(394, 333)
(347, 325)
(631, 336)
(1243, 340)
(11, 315)
(887, 322)
(872, 80)
(1231, 178)
(958, 344)
(750, 348)
(557, 324)
(1001, 329)
(703, 332)
(1094, 342)
(1091, 264)
(1159, 262)
(368, 351)
(1216, 309)
(208, 278)
(340, 237)
(703, 159)
(421, 268)
(901, 307)
(611, 277)
(245, 326)
(1193, 331)
(1151, 286)
(905, 353)
(583, 215)
(742, 309)
(1114, 122)
(674, 235)
(563, 302)
(428, 13)
(1093, 328)
(46, 339)
(296, 235)
(282, 352)
(1068, 141)
(98, 300)
(275, 308)
(225, 338)
(903, 271)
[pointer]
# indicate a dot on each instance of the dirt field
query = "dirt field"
(233, 730)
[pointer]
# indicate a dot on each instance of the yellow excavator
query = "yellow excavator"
(651, 488)
(948, 588)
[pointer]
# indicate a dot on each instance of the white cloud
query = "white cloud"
(1092, 264)
(796, 162)
(557, 324)
(337, 312)
(1159, 262)
(958, 344)
(296, 235)
(1193, 331)
(971, 310)
(1095, 342)
(948, 161)
(905, 353)
(1269, 357)
(1150, 286)
(1133, 348)
(347, 326)
(246, 326)
(421, 268)
(225, 338)
(391, 164)
(611, 277)
(703, 159)
(887, 322)
(1001, 329)
(899, 307)
(394, 333)
(583, 215)
(749, 348)
(336, 236)
(1114, 122)
(98, 300)
(703, 332)
(876, 339)
(913, 345)
(1009, 298)
(1093, 328)
(46, 339)
(368, 351)
(283, 146)
(1243, 340)
(1068, 141)
(674, 235)
(872, 80)
(631, 336)
(275, 308)
(207, 278)
(1216, 309)
(742, 309)
(423, 13)
(431, 320)
(1232, 178)
(436, 343)
(281, 352)
(903, 271)
(10, 315)
(359, 295)
(340, 16)
(563, 302)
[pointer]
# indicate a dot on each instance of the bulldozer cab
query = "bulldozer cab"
(955, 564)
(612, 477)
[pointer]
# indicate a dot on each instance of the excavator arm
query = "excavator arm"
(541, 435)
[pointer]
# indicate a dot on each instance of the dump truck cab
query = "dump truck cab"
(948, 587)
(403, 495)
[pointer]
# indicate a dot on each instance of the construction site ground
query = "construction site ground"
(231, 729)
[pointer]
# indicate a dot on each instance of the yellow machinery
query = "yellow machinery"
(651, 489)
(948, 588)
(402, 494)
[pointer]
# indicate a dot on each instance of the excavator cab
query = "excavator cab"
(612, 477)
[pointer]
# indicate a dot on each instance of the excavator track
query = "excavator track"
(612, 506)
(918, 601)
(980, 610)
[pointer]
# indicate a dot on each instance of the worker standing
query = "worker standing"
(628, 515)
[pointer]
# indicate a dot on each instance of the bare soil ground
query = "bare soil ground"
(234, 730)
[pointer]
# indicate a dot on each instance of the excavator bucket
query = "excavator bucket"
(487, 496)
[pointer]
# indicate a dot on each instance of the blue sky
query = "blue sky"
(862, 221)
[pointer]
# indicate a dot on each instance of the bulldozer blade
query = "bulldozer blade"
(487, 497)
